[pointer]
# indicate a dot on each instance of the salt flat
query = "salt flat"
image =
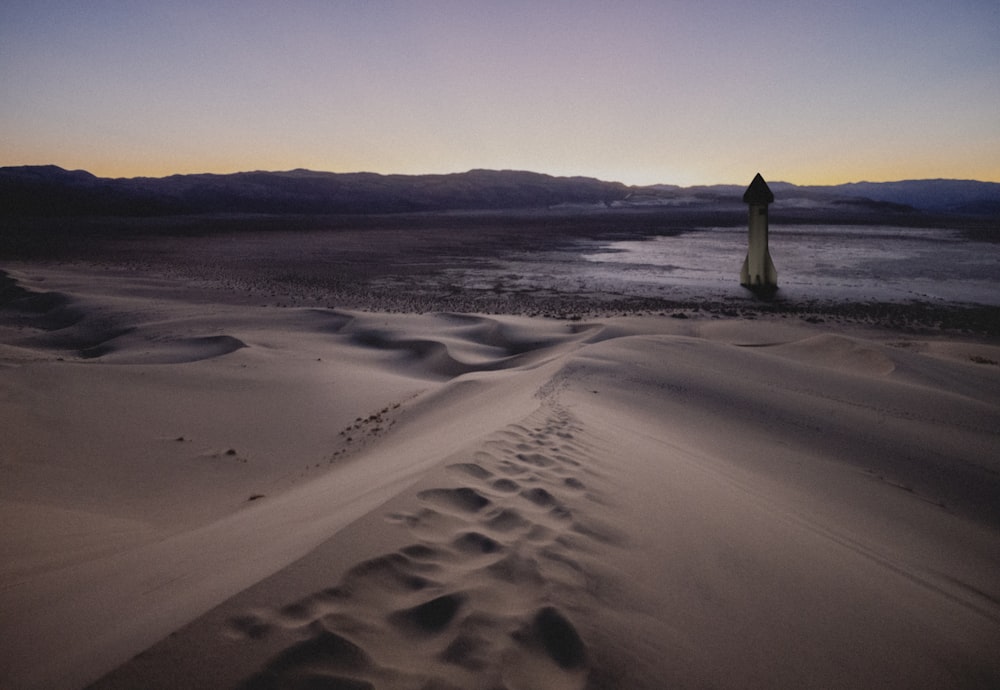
(261, 497)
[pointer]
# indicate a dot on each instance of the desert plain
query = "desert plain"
(345, 473)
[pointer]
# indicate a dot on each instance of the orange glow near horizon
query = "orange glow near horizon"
(113, 169)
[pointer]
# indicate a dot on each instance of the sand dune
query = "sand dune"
(207, 495)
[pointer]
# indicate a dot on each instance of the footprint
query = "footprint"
(558, 638)
(536, 459)
(432, 616)
(474, 542)
(297, 613)
(471, 469)
(510, 468)
(464, 499)
(563, 458)
(506, 485)
(540, 497)
(506, 520)
(429, 524)
(421, 552)
(250, 626)
(539, 534)
(393, 572)
(516, 569)
(468, 652)
(320, 659)
(561, 512)
(567, 570)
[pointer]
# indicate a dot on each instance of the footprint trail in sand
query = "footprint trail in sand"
(490, 594)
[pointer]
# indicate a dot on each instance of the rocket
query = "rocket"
(758, 270)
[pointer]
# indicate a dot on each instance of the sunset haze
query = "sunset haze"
(638, 92)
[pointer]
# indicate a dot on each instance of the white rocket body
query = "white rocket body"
(758, 270)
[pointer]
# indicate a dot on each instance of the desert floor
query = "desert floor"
(202, 489)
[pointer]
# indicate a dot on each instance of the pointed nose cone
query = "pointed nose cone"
(758, 192)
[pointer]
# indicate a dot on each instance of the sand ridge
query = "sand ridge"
(468, 602)
(264, 498)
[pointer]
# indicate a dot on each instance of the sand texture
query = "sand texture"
(200, 494)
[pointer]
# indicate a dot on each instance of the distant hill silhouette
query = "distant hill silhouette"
(52, 191)
(953, 196)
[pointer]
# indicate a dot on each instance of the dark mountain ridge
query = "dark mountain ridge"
(51, 191)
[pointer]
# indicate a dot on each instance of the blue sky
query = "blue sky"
(642, 92)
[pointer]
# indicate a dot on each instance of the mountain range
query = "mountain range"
(52, 191)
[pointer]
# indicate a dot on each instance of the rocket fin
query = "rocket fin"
(745, 271)
(772, 273)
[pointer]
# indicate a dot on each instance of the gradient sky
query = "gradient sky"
(693, 92)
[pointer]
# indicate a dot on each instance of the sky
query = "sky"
(674, 92)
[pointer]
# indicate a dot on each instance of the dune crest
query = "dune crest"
(483, 595)
(839, 352)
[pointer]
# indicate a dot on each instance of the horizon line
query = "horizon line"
(496, 170)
